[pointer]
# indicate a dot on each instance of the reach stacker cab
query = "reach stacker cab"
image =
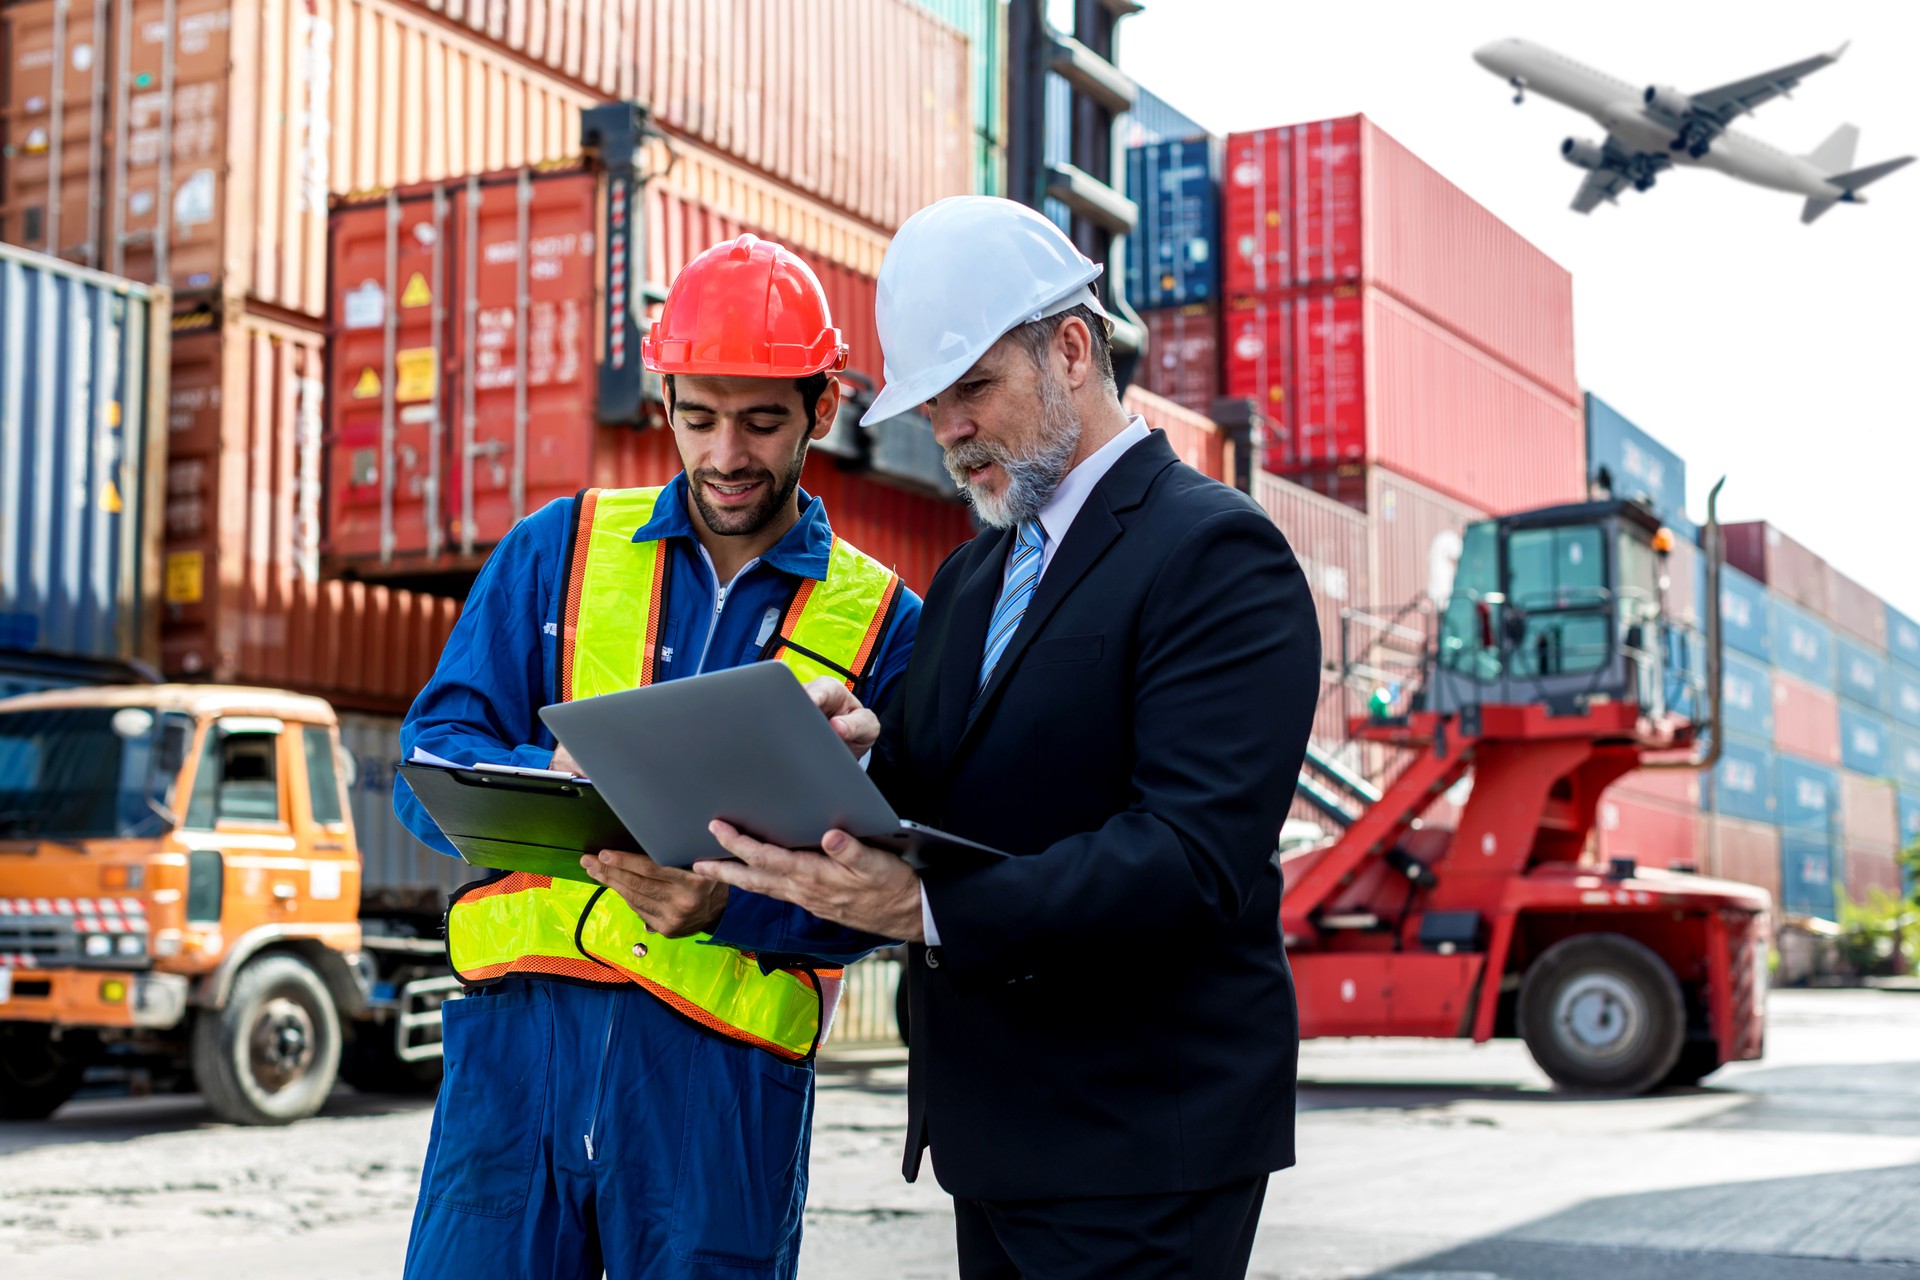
(1553, 670)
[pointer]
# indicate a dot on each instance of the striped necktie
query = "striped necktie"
(1023, 574)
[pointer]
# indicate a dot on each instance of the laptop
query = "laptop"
(745, 745)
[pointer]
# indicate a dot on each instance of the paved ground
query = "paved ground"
(1418, 1162)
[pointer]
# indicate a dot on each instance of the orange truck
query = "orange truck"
(181, 896)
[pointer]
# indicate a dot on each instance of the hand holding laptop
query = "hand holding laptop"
(858, 727)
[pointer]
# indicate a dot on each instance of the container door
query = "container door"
(55, 124)
(522, 392)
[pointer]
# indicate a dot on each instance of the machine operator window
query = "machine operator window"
(323, 779)
(237, 779)
(1476, 578)
(1560, 612)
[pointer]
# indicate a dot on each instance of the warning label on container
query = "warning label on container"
(186, 576)
(367, 385)
(416, 373)
(416, 293)
(110, 498)
(365, 306)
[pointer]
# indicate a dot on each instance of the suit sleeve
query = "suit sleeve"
(1225, 685)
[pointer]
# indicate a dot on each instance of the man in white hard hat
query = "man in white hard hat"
(1114, 682)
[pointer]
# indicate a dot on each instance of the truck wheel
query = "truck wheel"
(271, 1055)
(1601, 1011)
(1698, 1059)
(36, 1076)
(369, 1064)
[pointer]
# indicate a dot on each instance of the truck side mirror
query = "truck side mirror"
(170, 753)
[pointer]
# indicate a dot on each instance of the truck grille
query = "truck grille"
(50, 933)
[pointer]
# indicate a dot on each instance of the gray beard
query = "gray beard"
(1032, 475)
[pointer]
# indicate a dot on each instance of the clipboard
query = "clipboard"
(513, 822)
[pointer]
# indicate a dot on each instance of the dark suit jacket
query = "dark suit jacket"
(1111, 1012)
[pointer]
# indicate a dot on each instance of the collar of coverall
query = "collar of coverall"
(801, 552)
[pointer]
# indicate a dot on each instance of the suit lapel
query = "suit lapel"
(966, 636)
(1094, 530)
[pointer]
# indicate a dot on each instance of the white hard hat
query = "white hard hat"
(958, 276)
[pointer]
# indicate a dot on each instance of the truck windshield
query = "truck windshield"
(74, 773)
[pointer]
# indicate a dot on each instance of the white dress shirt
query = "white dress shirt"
(1056, 518)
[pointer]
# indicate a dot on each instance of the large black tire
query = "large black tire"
(369, 1063)
(1601, 1011)
(1698, 1059)
(37, 1073)
(271, 1055)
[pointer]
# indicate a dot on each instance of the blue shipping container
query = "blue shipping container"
(1903, 638)
(1808, 875)
(1903, 696)
(1809, 794)
(1909, 808)
(1865, 741)
(1170, 255)
(1860, 673)
(1746, 698)
(1632, 464)
(83, 368)
(1903, 757)
(1153, 120)
(1743, 614)
(1742, 785)
(1802, 644)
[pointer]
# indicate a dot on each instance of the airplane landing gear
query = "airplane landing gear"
(1519, 84)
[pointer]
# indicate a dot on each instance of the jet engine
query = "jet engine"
(1668, 101)
(1582, 154)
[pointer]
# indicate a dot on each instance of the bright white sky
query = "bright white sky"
(1782, 356)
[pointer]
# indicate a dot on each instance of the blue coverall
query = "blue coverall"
(578, 1126)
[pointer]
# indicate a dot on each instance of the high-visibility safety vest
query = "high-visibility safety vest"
(536, 926)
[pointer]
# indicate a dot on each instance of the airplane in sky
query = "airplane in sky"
(1653, 128)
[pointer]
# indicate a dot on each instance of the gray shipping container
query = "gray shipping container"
(83, 394)
(398, 873)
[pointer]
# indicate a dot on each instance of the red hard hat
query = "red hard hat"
(745, 309)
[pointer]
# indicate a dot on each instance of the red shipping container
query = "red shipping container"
(1765, 554)
(1680, 787)
(1869, 812)
(1748, 852)
(1416, 536)
(1652, 833)
(1868, 869)
(1352, 378)
(1858, 612)
(1182, 362)
(1194, 437)
(1339, 202)
(1806, 720)
(865, 104)
(1330, 540)
(473, 322)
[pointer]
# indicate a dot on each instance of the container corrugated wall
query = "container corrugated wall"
(1194, 437)
(1359, 378)
(1806, 720)
(1653, 833)
(1416, 540)
(1857, 611)
(1329, 539)
(83, 380)
(865, 104)
(397, 871)
(983, 23)
(1182, 361)
(1769, 556)
(1173, 258)
(1629, 463)
(1748, 852)
(1340, 203)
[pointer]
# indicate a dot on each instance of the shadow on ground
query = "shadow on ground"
(1860, 1225)
(117, 1119)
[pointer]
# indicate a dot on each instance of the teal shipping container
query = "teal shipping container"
(1903, 639)
(1746, 698)
(83, 394)
(1860, 674)
(1802, 644)
(1866, 741)
(1809, 795)
(1744, 617)
(1809, 877)
(1742, 784)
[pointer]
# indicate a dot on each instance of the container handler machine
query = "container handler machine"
(1552, 671)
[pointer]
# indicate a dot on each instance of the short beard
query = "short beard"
(1033, 473)
(741, 524)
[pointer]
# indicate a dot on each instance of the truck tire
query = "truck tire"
(1601, 1011)
(369, 1063)
(36, 1076)
(271, 1055)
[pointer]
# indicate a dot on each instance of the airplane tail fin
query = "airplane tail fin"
(1836, 153)
(1849, 182)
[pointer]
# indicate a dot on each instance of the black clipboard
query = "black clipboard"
(512, 822)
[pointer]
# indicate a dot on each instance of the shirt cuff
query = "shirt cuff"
(926, 919)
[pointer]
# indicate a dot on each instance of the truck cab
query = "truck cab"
(179, 886)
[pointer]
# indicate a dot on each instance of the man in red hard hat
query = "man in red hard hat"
(629, 1080)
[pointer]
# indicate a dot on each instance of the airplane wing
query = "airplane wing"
(1600, 184)
(1721, 105)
